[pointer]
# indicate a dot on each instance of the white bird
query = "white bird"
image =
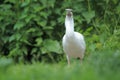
(73, 42)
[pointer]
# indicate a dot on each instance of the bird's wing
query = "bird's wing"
(80, 38)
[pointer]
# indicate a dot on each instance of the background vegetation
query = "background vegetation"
(31, 31)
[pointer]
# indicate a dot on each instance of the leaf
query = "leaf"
(53, 23)
(11, 1)
(42, 23)
(31, 30)
(11, 38)
(25, 41)
(44, 14)
(88, 15)
(1, 18)
(18, 25)
(37, 7)
(25, 3)
(5, 6)
(88, 30)
(24, 49)
(38, 41)
(51, 3)
(48, 28)
(61, 19)
(118, 9)
(51, 46)
(44, 51)
(14, 52)
(34, 50)
(28, 18)
(16, 36)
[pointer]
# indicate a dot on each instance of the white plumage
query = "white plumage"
(73, 42)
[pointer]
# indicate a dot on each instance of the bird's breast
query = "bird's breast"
(74, 45)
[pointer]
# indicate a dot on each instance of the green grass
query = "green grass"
(102, 65)
(98, 21)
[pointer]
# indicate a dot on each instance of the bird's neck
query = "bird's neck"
(69, 25)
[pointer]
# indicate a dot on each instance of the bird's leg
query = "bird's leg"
(68, 60)
(81, 60)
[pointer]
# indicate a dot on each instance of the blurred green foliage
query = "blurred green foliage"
(30, 29)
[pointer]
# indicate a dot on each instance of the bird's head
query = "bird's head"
(69, 12)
